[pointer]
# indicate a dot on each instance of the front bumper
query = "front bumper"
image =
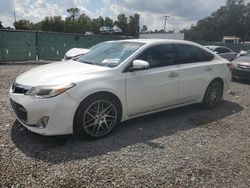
(59, 109)
(240, 73)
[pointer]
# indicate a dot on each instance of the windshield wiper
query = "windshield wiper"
(88, 62)
(91, 63)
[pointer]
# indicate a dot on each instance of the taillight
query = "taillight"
(231, 66)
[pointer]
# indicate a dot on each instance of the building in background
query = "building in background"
(231, 39)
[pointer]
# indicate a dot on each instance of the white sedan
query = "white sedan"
(117, 81)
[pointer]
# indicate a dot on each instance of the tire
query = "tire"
(213, 95)
(97, 116)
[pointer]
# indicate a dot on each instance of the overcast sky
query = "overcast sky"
(182, 13)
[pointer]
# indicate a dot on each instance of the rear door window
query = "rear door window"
(191, 54)
(222, 50)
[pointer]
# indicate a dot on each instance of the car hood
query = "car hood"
(59, 73)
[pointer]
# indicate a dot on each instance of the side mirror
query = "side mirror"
(216, 52)
(242, 53)
(139, 65)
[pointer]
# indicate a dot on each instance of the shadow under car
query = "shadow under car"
(58, 149)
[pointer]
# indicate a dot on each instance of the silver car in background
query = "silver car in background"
(223, 52)
(242, 67)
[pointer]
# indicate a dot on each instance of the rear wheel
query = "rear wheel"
(213, 95)
(97, 116)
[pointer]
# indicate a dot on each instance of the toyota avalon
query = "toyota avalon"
(117, 81)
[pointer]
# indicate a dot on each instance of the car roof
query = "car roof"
(160, 41)
(214, 47)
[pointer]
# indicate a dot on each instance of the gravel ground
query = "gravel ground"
(185, 147)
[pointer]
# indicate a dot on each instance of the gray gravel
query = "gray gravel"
(185, 147)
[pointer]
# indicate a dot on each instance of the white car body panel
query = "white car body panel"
(58, 73)
(59, 109)
(140, 92)
(151, 89)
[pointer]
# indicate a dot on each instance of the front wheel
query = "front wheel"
(213, 95)
(97, 116)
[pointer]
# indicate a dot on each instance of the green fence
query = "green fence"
(52, 46)
(17, 45)
(26, 45)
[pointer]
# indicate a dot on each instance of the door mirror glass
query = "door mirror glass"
(139, 65)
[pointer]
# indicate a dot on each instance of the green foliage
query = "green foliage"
(95, 25)
(233, 19)
(122, 22)
(133, 27)
(23, 25)
(55, 24)
(74, 13)
(80, 23)
(144, 29)
(108, 22)
(1, 25)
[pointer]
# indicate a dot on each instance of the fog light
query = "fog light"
(42, 123)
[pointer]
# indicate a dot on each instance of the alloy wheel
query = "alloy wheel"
(99, 118)
(214, 94)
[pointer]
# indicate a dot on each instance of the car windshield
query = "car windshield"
(110, 54)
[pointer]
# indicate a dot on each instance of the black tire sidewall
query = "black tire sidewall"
(207, 93)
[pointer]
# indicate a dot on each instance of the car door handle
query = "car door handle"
(208, 69)
(172, 75)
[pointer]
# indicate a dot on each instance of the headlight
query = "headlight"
(48, 91)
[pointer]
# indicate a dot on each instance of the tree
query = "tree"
(95, 25)
(1, 25)
(133, 25)
(144, 29)
(231, 19)
(101, 21)
(23, 25)
(80, 23)
(122, 22)
(74, 12)
(83, 24)
(54, 23)
(108, 22)
(71, 25)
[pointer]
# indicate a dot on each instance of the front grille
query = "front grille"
(20, 89)
(19, 110)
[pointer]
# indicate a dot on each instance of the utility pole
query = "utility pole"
(14, 16)
(166, 17)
